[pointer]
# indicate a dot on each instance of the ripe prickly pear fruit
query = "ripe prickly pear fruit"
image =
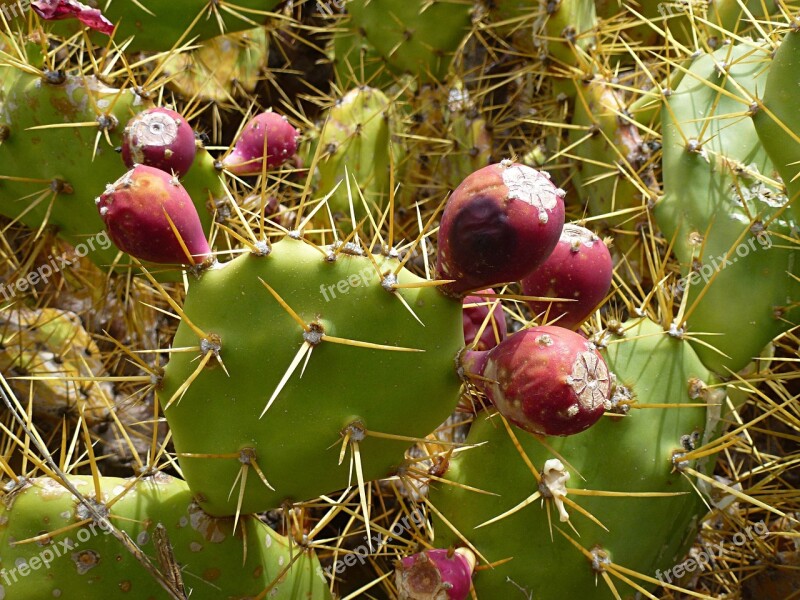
(160, 138)
(580, 268)
(435, 575)
(546, 380)
(267, 135)
(66, 9)
(476, 312)
(137, 210)
(501, 223)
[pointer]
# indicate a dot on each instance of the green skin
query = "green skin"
(65, 153)
(414, 36)
(210, 556)
(699, 196)
(617, 141)
(298, 441)
(780, 114)
(358, 131)
(168, 21)
(622, 454)
(573, 17)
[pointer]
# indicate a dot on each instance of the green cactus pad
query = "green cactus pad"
(630, 454)
(52, 175)
(357, 148)
(216, 424)
(413, 36)
(729, 223)
(778, 122)
(88, 563)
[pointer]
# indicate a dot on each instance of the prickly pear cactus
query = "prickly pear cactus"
(50, 546)
(58, 153)
(357, 150)
(625, 474)
(282, 390)
(723, 210)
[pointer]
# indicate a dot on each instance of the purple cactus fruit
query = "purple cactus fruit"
(435, 575)
(53, 10)
(476, 311)
(546, 380)
(500, 223)
(267, 134)
(580, 268)
(160, 138)
(135, 210)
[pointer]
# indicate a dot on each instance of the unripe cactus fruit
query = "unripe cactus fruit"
(149, 215)
(501, 222)
(435, 575)
(267, 135)
(546, 380)
(476, 312)
(160, 138)
(579, 269)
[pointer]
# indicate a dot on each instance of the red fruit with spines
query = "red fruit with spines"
(135, 208)
(160, 138)
(499, 224)
(580, 269)
(267, 134)
(475, 313)
(435, 575)
(546, 380)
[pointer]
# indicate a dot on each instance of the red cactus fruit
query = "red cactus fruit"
(546, 380)
(580, 268)
(267, 134)
(160, 138)
(53, 10)
(435, 575)
(500, 223)
(137, 210)
(476, 311)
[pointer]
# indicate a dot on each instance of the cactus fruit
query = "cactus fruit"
(484, 316)
(268, 136)
(45, 527)
(68, 9)
(160, 138)
(637, 467)
(580, 270)
(546, 380)
(724, 213)
(501, 222)
(258, 420)
(436, 575)
(149, 215)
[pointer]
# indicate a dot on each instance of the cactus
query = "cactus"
(51, 169)
(724, 213)
(45, 527)
(646, 453)
(334, 403)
